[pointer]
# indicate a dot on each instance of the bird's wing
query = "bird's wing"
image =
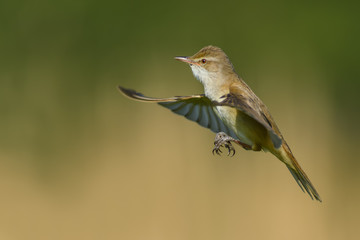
(253, 107)
(197, 108)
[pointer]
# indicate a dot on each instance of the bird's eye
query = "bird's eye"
(203, 60)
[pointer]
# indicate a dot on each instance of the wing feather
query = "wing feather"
(194, 113)
(184, 109)
(213, 119)
(238, 99)
(197, 108)
(204, 117)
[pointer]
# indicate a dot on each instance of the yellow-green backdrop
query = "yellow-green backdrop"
(80, 161)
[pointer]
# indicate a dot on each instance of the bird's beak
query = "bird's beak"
(185, 60)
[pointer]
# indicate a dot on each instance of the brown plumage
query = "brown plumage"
(231, 108)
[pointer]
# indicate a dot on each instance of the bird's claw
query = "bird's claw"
(227, 145)
(230, 149)
(222, 139)
(217, 151)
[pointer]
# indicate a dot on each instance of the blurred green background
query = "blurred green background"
(80, 161)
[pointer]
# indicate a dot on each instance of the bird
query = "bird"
(232, 110)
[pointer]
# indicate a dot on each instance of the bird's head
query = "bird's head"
(209, 64)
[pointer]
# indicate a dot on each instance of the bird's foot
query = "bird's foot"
(221, 139)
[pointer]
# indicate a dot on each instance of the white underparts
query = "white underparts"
(211, 82)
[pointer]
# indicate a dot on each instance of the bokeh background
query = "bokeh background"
(80, 161)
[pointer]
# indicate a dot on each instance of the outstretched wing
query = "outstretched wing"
(253, 107)
(197, 108)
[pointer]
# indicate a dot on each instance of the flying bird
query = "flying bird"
(230, 109)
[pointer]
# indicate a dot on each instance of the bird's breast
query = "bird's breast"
(234, 120)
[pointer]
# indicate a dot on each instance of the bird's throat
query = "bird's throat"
(215, 85)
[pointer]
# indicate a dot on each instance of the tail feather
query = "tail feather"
(293, 173)
(305, 183)
(301, 178)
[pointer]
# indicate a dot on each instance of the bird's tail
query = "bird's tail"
(299, 175)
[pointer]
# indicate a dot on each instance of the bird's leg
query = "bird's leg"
(222, 139)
